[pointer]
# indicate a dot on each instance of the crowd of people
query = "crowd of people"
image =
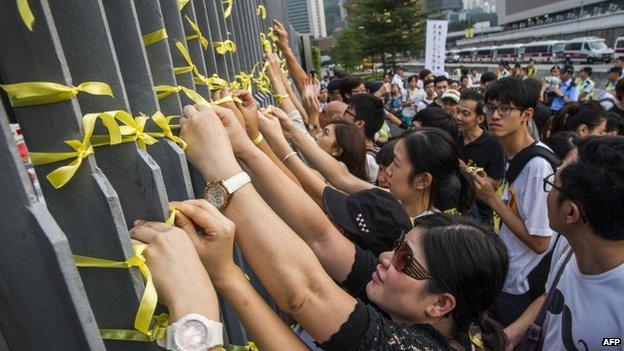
(493, 206)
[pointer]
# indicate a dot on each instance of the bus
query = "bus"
(540, 51)
(507, 52)
(618, 48)
(484, 54)
(466, 55)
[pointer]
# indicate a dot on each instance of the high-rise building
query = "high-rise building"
(510, 11)
(444, 5)
(307, 17)
(335, 15)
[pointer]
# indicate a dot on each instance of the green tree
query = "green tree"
(346, 49)
(383, 28)
(316, 59)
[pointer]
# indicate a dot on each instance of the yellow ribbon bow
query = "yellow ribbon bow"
(147, 306)
(82, 149)
(39, 93)
(198, 34)
(27, 16)
(245, 80)
(267, 46)
(224, 47)
(155, 36)
(262, 81)
(261, 11)
(172, 214)
(132, 130)
(228, 7)
(182, 3)
(163, 91)
(164, 123)
(213, 82)
(191, 66)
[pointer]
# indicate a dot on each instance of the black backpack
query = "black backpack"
(538, 276)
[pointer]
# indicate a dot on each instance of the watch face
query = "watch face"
(215, 195)
(192, 335)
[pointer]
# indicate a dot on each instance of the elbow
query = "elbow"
(296, 301)
(540, 247)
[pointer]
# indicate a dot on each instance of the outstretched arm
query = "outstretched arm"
(297, 73)
(286, 266)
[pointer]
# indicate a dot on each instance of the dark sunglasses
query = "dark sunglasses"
(403, 261)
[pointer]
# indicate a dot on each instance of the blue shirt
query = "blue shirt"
(569, 91)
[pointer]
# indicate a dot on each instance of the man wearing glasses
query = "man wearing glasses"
(585, 205)
(509, 106)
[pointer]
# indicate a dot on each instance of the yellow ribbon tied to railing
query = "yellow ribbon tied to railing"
(39, 93)
(267, 46)
(155, 37)
(164, 123)
(171, 217)
(164, 91)
(213, 82)
(191, 66)
(251, 346)
(227, 98)
(245, 80)
(26, 14)
(82, 149)
(262, 81)
(145, 315)
(228, 7)
(224, 47)
(182, 3)
(261, 11)
(131, 130)
(198, 34)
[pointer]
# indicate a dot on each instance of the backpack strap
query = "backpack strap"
(517, 164)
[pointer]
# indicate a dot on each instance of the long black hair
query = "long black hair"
(353, 154)
(469, 261)
(574, 115)
(433, 151)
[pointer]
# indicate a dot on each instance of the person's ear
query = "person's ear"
(423, 181)
(582, 130)
(359, 124)
(444, 304)
(574, 213)
(337, 151)
(527, 114)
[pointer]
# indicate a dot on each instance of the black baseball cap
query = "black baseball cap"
(374, 218)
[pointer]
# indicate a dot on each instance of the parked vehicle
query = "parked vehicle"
(452, 56)
(540, 51)
(587, 49)
(507, 52)
(484, 54)
(618, 48)
(466, 55)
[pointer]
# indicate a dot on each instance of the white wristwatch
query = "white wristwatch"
(193, 332)
(219, 192)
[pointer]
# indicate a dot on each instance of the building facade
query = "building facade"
(307, 17)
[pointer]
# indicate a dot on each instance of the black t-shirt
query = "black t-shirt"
(368, 328)
(541, 115)
(434, 104)
(486, 152)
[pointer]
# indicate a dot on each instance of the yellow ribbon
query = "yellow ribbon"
(228, 98)
(155, 36)
(262, 81)
(267, 46)
(245, 80)
(475, 339)
(213, 82)
(39, 93)
(280, 97)
(147, 306)
(251, 346)
(172, 214)
(163, 91)
(261, 11)
(228, 7)
(132, 130)
(182, 3)
(82, 149)
(198, 34)
(224, 47)
(26, 13)
(191, 66)
(165, 125)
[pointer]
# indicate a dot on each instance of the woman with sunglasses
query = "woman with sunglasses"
(427, 295)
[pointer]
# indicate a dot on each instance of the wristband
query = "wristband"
(288, 156)
(258, 139)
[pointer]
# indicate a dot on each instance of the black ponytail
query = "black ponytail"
(492, 334)
(466, 192)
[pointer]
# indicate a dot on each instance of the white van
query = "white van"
(540, 51)
(587, 49)
(618, 48)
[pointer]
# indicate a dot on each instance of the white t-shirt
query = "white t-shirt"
(424, 104)
(372, 168)
(526, 196)
(415, 96)
(396, 79)
(586, 308)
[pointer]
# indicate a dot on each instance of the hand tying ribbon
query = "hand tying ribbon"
(172, 214)
(228, 7)
(228, 98)
(82, 149)
(39, 93)
(147, 306)
(154, 37)
(164, 123)
(198, 34)
(261, 11)
(163, 91)
(224, 47)
(27, 16)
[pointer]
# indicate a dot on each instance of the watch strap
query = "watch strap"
(236, 182)
(215, 332)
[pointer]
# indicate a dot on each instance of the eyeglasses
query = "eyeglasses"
(349, 113)
(503, 110)
(403, 261)
(549, 184)
(358, 91)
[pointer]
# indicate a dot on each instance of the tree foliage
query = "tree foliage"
(380, 28)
